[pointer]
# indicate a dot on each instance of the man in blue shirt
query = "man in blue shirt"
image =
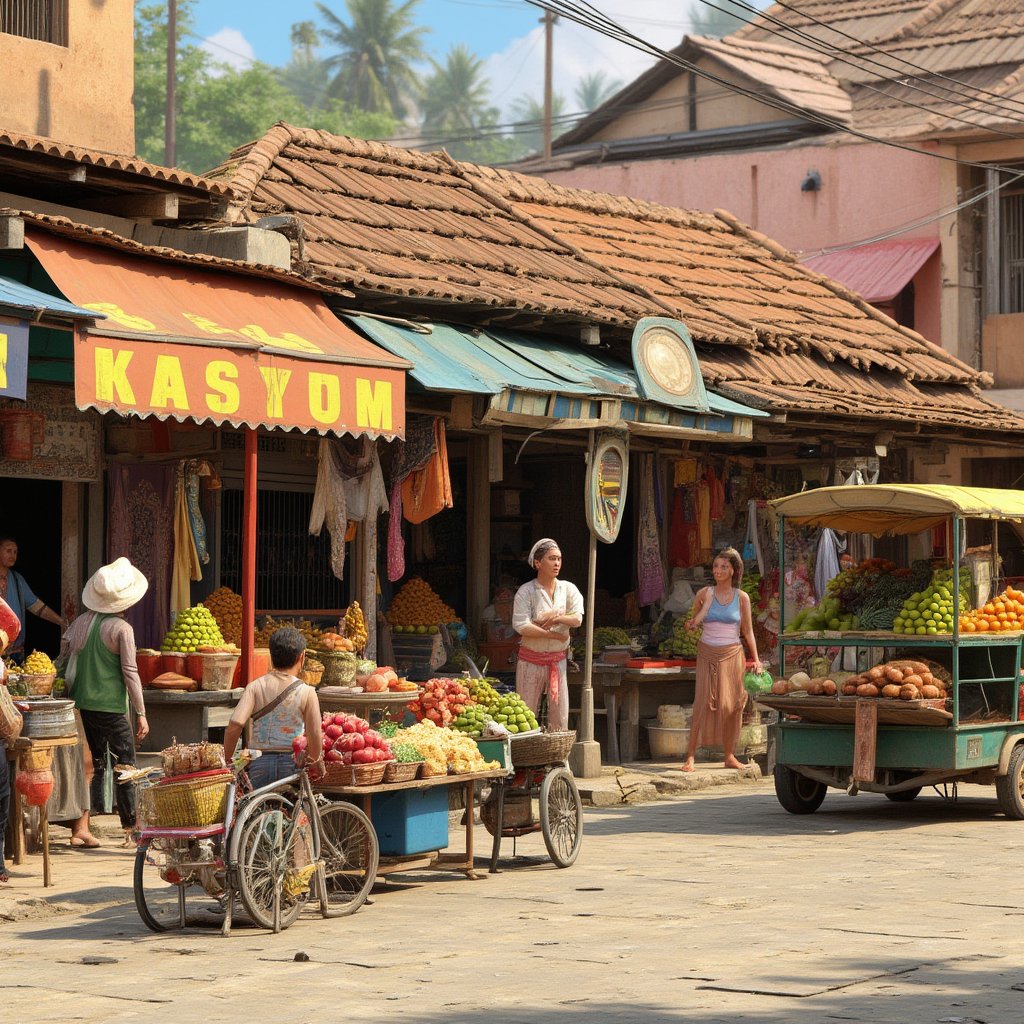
(18, 594)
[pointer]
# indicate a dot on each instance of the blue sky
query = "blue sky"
(505, 33)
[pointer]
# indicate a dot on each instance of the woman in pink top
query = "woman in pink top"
(724, 612)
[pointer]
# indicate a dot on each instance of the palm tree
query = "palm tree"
(593, 89)
(529, 112)
(455, 96)
(305, 75)
(718, 21)
(377, 48)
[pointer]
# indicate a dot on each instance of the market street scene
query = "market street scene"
(467, 551)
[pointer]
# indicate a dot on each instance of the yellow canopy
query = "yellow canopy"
(887, 509)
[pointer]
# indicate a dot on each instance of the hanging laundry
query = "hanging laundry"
(826, 566)
(186, 565)
(194, 469)
(684, 472)
(650, 571)
(396, 544)
(428, 491)
(413, 453)
(705, 540)
(683, 541)
(716, 492)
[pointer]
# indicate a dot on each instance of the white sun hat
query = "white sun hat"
(114, 587)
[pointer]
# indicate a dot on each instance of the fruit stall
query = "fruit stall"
(929, 692)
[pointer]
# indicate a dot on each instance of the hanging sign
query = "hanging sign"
(13, 358)
(666, 364)
(607, 476)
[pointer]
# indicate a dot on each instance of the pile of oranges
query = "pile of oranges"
(226, 607)
(1002, 614)
(416, 604)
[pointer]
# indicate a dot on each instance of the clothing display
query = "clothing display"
(414, 453)
(826, 566)
(427, 491)
(649, 570)
(185, 566)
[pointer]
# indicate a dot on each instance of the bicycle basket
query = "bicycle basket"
(182, 801)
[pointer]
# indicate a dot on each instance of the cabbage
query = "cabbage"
(758, 682)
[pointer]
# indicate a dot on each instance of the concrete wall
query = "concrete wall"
(1002, 349)
(80, 94)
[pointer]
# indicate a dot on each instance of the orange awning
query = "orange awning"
(193, 344)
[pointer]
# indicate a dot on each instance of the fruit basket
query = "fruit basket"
(339, 667)
(401, 771)
(339, 774)
(31, 684)
(542, 748)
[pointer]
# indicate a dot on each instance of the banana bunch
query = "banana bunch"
(354, 626)
(38, 663)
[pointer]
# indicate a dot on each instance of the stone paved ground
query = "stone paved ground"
(714, 907)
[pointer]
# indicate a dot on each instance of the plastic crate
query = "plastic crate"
(411, 820)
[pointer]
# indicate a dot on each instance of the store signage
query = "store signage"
(666, 364)
(607, 476)
(226, 385)
(14, 359)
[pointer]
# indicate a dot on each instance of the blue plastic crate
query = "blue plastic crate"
(411, 820)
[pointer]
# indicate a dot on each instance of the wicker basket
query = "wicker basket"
(339, 667)
(352, 774)
(938, 671)
(544, 748)
(200, 800)
(313, 672)
(32, 685)
(35, 759)
(401, 771)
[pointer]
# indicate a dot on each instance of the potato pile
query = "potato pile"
(897, 680)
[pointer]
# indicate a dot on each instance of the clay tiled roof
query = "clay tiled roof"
(407, 230)
(394, 224)
(13, 144)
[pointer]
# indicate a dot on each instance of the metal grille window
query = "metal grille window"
(1011, 223)
(293, 569)
(46, 20)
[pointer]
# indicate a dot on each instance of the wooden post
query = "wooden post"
(249, 554)
(478, 531)
(865, 740)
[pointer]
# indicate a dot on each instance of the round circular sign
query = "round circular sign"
(667, 360)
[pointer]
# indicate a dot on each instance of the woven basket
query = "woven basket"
(10, 717)
(401, 771)
(313, 672)
(938, 671)
(339, 667)
(201, 800)
(35, 759)
(352, 774)
(32, 684)
(544, 748)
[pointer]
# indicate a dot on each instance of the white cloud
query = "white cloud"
(518, 69)
(229, 46)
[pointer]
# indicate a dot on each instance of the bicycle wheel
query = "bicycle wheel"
(268, 850)
(159, 890)
(349, 852)
(561, 816)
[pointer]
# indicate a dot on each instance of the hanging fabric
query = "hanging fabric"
(650, 571)
(413, 454)
(427, 491)
(826, 565)
(194, 469)
(705, 541)
(185, 565)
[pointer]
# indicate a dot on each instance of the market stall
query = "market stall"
(934, 697)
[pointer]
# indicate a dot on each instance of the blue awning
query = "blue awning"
(25, 300)
(496, 361)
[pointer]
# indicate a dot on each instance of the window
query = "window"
(1011, 242)
(46, 20)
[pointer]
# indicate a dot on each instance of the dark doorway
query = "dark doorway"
(31, 514)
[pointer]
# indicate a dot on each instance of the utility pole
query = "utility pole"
(170, 115)
(549, 32)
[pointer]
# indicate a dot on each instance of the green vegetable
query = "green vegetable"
(406, 753)
(758, 682)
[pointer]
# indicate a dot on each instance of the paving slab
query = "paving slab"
(644, 781)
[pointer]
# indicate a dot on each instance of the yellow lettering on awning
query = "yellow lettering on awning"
(118, 315)
(275, 380)
(3, 360)
(204, 323)
(373, 404)
(324, 398)
(168, 384)
(219, 376)
(111, 376)
(286, 340)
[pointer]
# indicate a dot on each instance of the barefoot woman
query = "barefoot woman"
(724, 612)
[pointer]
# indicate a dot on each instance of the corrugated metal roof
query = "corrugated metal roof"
(15, 295)
(451, 360)
(877, 272)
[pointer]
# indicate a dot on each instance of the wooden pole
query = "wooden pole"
(170, 114)
(587, 697)
(249, 555)
(549, 33)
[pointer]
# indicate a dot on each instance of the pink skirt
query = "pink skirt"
(720, 695)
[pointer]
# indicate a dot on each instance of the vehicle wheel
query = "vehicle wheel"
(349, 851)
(561, 816)
(1010, 787)
(160, 902)
(797, 793)
(904, 796)
(267, 850)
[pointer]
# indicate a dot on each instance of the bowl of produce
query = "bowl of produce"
(31, 684)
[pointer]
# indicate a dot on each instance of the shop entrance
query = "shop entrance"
(32, 516)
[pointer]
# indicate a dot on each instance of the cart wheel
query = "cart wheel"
(265, 851)
(349, 851)
(561, 816)
(797, 793)
(904, 796)
(1010, 787)
(161, 903)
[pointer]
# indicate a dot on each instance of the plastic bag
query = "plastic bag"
(680, 599)
(758, 682)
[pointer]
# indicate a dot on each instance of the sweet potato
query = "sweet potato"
(891, 691)
(867, 690)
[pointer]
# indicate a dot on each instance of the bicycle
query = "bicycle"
(277, 845)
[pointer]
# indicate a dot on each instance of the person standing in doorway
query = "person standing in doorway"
(724, 612)
(544, 611)
(14, 589)
(103, 679)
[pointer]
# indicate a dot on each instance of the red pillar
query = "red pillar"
(248, 555)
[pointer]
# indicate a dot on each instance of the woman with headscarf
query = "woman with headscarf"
(103, 679)
(544, 611)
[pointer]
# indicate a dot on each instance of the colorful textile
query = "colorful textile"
(552, 659)
(396, 543)
(330, 503)
(186, 565)
(650, 572)
(428, 491)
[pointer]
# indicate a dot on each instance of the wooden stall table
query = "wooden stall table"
(185, 716)
(434, 859)
(371, 706)
(15, 752)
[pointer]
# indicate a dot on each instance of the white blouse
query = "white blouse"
(532, 601)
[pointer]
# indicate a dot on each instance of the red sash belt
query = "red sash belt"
(550, 658)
